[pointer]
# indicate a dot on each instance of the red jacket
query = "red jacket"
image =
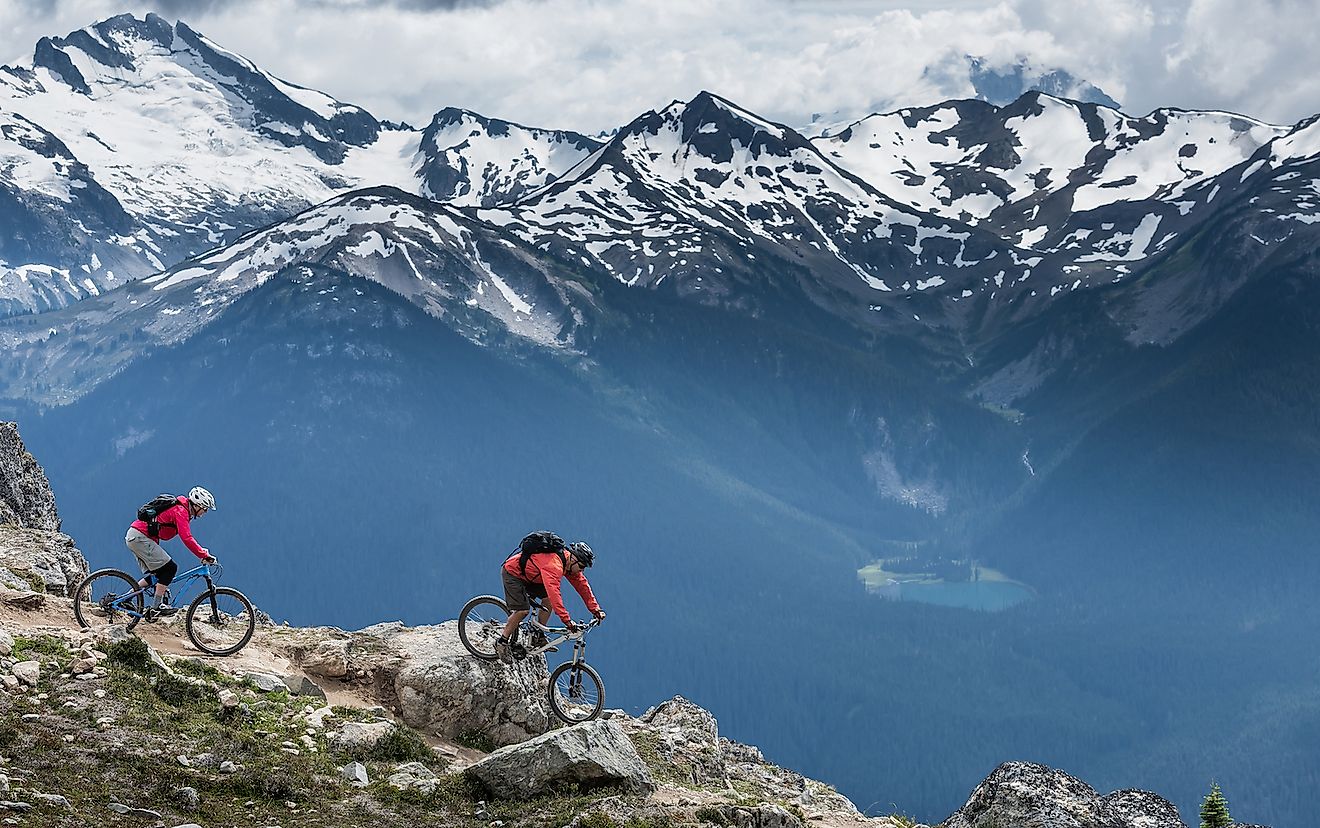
(546, 568)
(174, 521)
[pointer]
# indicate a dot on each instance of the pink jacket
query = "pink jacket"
(547, 568)
(174, 521)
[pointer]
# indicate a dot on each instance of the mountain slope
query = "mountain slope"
(163, 144)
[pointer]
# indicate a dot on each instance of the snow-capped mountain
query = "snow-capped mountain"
(133, 144)
(475, 161)
(696, 195)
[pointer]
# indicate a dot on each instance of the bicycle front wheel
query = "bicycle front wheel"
(576, 692)
(220, 621)
(100, 598)
(480, 623)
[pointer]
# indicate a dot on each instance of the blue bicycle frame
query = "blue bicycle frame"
(126, 604)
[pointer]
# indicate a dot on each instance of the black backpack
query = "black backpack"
(149, 511)
(540, 543)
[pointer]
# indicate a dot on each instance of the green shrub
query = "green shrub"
(176, 691)
(476, 739)
(712, 815)
(132, 653)
(598, 819)
(400, 744)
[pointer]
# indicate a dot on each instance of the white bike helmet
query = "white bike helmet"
(202, 498)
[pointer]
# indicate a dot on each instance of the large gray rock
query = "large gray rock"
(589, 755)
(437, 686)
(38, 558)
(1027, 795)
(34, 554)
(25, 495)
(1141, 809)
(359, 737)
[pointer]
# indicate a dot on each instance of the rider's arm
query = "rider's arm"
(579, 582)
(185, 533)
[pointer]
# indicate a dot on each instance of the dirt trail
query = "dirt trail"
(168, 637)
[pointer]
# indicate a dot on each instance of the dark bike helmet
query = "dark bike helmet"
(583, 553)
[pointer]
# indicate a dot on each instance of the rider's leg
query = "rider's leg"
(164, 576)
(511, 626)
(543, 617)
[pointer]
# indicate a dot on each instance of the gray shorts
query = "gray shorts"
(150, 556)
(517, 591)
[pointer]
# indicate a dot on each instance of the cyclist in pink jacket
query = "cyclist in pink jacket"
(144, 541)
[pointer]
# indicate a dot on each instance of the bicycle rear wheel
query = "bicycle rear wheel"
(480, 623)
(576, 692)
(220, 621)
(99, 599)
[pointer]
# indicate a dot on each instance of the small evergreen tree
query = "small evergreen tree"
(1214, 810)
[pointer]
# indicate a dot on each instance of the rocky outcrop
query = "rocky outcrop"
(1035, 796)
(427, 677)
(34, 554)
(25, 495)
(589, 755)
(682, 738)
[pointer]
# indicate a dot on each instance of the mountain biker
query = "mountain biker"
(540, 578)
(153, 559)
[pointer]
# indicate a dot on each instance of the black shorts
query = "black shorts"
(165, 574)
(518, 593)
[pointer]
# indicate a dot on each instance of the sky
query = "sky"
(592, 65)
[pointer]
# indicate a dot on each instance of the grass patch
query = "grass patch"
(712, 815)
(178, 691)
(40, 648)
(454, 790)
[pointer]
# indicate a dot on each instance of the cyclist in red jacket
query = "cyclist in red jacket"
(153, 559)
(540, 577)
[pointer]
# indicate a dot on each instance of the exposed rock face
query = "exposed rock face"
(25, 495)
(589, 755)
(1034, 796)
(432, 682)
(34, 554)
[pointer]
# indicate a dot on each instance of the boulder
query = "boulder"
(589, 755)
(437, 686)
(6, 643)
(265, 682)
(40, 558)
(28, 672)
(413, 775)
(1031, 795)
(1141, 809)
(355, 773)
(303, 686)
(356, 737)
(328, 659)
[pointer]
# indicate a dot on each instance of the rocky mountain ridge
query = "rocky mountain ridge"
(952, 217)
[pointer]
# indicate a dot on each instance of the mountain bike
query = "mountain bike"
(220, 620)
(576, 692)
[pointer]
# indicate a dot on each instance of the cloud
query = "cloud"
(593, 65)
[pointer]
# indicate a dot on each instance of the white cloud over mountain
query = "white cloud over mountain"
(593, 65)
